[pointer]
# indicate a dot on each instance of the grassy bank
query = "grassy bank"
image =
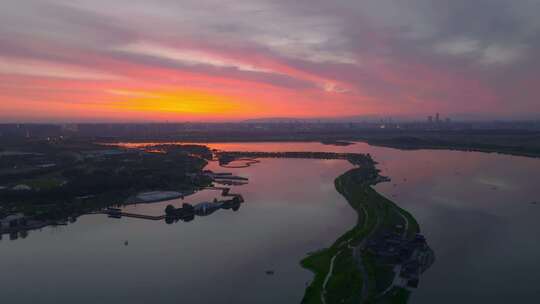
(356, 277)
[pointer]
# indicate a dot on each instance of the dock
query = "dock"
(117, 213)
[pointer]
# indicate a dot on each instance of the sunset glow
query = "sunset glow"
(188, 102)
(233, 60)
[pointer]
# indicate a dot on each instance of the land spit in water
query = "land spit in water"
(381, 258)
(377, 261)
(357, 159)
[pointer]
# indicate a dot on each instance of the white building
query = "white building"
(22, 188)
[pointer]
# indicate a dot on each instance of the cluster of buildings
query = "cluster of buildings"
(410, 257)
(12, 221)
(437, 119)
(17, 225)
(188, 212)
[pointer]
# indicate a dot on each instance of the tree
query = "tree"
(170, 210)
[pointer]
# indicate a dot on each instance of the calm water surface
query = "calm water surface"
(474, 208)
(291, 209)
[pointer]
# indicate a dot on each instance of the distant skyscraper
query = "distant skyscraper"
(437, 118)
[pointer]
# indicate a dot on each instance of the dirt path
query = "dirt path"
(327, 278)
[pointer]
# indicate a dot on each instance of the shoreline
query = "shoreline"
(400, 142)
(500, 150)
(345, 272)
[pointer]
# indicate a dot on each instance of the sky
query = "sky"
(226, 60)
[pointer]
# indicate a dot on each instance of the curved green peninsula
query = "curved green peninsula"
(380, 259)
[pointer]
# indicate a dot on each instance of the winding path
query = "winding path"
(327, 278)
(354, 249)
(406, 227)
(360, 262)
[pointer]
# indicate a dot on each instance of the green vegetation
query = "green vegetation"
(54, 180)
(343, 285)
(396, 295)
(319, 263)
(44, 183)
(357, 276)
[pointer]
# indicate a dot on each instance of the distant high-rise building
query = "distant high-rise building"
(437, 118)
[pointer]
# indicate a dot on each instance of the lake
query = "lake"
(475, 209)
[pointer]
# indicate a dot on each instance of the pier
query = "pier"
(134, 215)
(225, 204)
